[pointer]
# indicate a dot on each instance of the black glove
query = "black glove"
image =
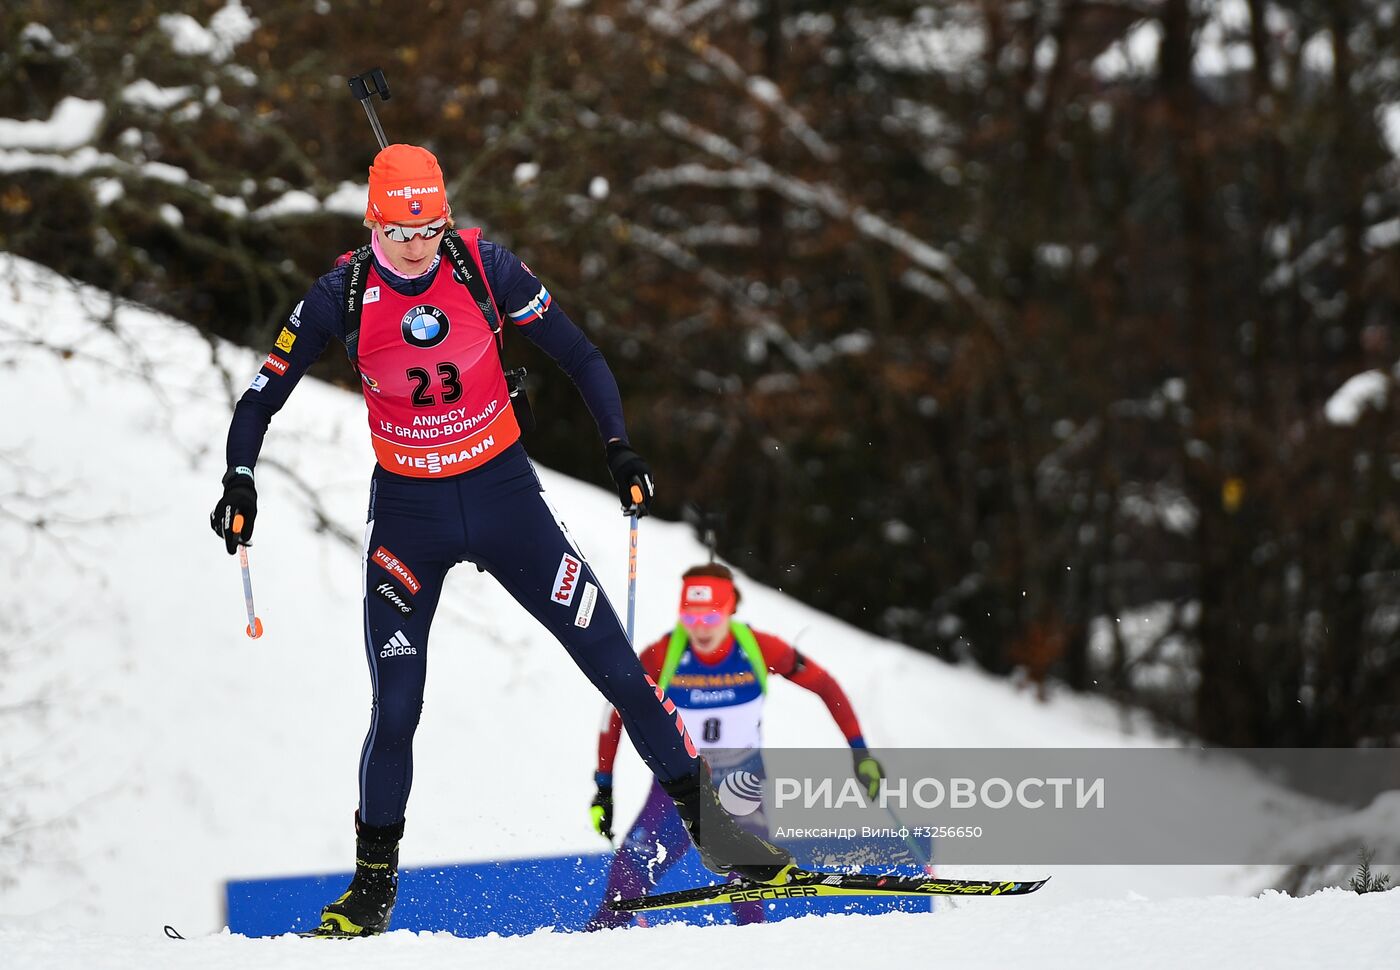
(628, 470)
(601, 811)
(240, 499)
(868, 771)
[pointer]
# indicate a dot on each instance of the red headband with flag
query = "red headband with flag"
(701, 594)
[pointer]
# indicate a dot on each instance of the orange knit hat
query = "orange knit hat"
(405, 185)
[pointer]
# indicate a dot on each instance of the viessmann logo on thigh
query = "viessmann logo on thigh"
(394, 567)
(566, 580)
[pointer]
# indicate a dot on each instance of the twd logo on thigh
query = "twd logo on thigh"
(566, 580)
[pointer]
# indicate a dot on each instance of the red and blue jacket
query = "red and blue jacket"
(723, 694)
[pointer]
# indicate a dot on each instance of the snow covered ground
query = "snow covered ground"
(151, 750)
(1328, 929)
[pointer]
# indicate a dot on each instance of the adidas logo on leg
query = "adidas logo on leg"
(398, 646)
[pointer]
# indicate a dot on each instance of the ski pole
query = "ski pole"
(255, 628)
(925, 858)
(364, 87)
(632, 565)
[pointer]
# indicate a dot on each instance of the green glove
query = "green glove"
(868, 771)
(601, 811)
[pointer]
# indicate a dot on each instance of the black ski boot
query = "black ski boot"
(725, 847)
(364, 908)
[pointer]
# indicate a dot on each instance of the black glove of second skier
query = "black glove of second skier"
(601, 810)
(239, 504)
(630, 471)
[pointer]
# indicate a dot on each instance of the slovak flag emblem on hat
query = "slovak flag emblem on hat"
(699, 594)
(415, 207)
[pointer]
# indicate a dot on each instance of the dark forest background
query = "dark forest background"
(1006, 330)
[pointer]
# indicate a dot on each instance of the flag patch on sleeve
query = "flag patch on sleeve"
(534, 310)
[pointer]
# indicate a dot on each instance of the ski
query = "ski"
(316, 934)
(806, 884)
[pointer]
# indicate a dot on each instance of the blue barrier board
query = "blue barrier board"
(517, 896)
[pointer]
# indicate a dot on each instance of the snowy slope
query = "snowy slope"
(1329, 929)
(168, 752)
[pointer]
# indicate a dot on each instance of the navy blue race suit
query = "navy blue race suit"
(492, 515)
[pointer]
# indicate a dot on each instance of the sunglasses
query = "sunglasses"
(403, 234)
(692, 620)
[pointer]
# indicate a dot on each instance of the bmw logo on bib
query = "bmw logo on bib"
(424, 326)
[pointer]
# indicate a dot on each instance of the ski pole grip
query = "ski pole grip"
(368, 84)
(237, 524)
(364, 87)
(636, 495)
